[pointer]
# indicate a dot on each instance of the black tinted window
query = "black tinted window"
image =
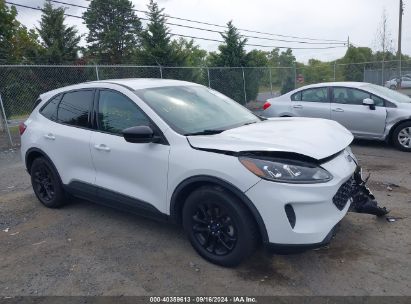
(315, 95)
(379, 102)
(116, 112)
(74, 108)
(50, 110)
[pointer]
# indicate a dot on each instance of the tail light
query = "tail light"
(266, 105)
(22, 128)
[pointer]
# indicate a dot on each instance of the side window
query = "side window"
(296, 97)
(116, 112)
(74, 108)
(379, 102)
(50, 109)
(349, 96)
(315, 95)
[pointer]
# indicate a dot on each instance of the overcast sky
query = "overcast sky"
(320, 19)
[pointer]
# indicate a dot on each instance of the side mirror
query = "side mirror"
(369, 102)
(140, 134)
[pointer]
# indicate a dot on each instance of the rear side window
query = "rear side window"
(50, 109)
(296, 97)
(315, 95)
(74, 108)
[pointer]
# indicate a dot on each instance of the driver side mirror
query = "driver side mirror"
(369, 102)
(140, 134)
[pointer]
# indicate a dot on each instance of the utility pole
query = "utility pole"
(401, 12)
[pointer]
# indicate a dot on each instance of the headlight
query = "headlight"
(286, 171)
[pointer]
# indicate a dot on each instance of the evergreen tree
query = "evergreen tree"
(8, 29)
(231, 54)
(156, 40)
(60, 41)
(114, 30)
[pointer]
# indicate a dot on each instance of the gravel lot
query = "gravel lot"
(85, 249)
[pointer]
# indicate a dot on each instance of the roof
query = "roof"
(131, 83)
(351, 84)
(144, 83)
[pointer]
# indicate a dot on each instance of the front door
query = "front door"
(133, 172)
(347, 108)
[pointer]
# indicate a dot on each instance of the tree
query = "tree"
(156, 38)
(351, 70)
(231, 54)
(60, 42)
(114, 30)
(8, 29)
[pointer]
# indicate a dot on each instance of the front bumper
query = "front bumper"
(315, 213)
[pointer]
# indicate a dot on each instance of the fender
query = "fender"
(28, 161)
(180, 191)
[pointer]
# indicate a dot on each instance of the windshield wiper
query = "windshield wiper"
(205, 132)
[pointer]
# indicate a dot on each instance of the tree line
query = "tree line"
(116, 35)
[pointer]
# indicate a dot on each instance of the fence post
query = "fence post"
(208, 75)
(6, 125)
(97, 76)
(382, 72)
(161, 71)
(245, 92)
(335, 71)
(271, 82)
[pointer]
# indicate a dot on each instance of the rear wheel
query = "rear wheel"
(46, 184)
(402, 136)
(393, 87)
(219, 227)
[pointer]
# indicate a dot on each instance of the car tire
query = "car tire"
(401, 136)
(393, 87)
(46, 184)
(219, 226)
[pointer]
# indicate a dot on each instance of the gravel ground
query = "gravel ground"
(85, 249)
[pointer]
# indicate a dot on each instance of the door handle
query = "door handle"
(49, 136)
(102, 147)
(298, 107)
(338, 110)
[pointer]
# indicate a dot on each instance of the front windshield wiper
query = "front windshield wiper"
(205, 132)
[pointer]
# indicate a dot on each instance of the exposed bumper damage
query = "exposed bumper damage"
(363, 201)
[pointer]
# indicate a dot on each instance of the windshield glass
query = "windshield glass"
(391, 94)
(191, 109)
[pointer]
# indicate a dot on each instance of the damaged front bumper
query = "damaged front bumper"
(363, 201)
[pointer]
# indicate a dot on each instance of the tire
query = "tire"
(393, 87)
(46, 184)
(219, 227)
(401, 137)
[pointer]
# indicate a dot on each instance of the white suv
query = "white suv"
(185, 153)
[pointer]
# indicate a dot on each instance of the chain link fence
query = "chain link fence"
(20, 85)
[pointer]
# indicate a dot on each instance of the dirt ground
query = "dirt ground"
(85, 249)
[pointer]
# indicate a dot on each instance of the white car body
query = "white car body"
(153, 173)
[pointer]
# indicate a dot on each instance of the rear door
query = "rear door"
(347, 108)
(65, 135)
(313, 102)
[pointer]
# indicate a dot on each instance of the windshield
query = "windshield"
(391, 94)
(192, 109)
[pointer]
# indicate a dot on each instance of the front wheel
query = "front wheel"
(219, 227)
(402, 136)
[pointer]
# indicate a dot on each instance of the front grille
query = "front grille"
(340, 199)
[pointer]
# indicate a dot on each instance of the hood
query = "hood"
(316, 138)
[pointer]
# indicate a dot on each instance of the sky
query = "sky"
(319, 19)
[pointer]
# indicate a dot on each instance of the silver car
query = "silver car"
(367, 110)
(395, 83)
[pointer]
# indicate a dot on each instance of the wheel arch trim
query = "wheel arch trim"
(43, 154)
(176, 204)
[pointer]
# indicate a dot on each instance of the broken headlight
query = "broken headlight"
(286, 171)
